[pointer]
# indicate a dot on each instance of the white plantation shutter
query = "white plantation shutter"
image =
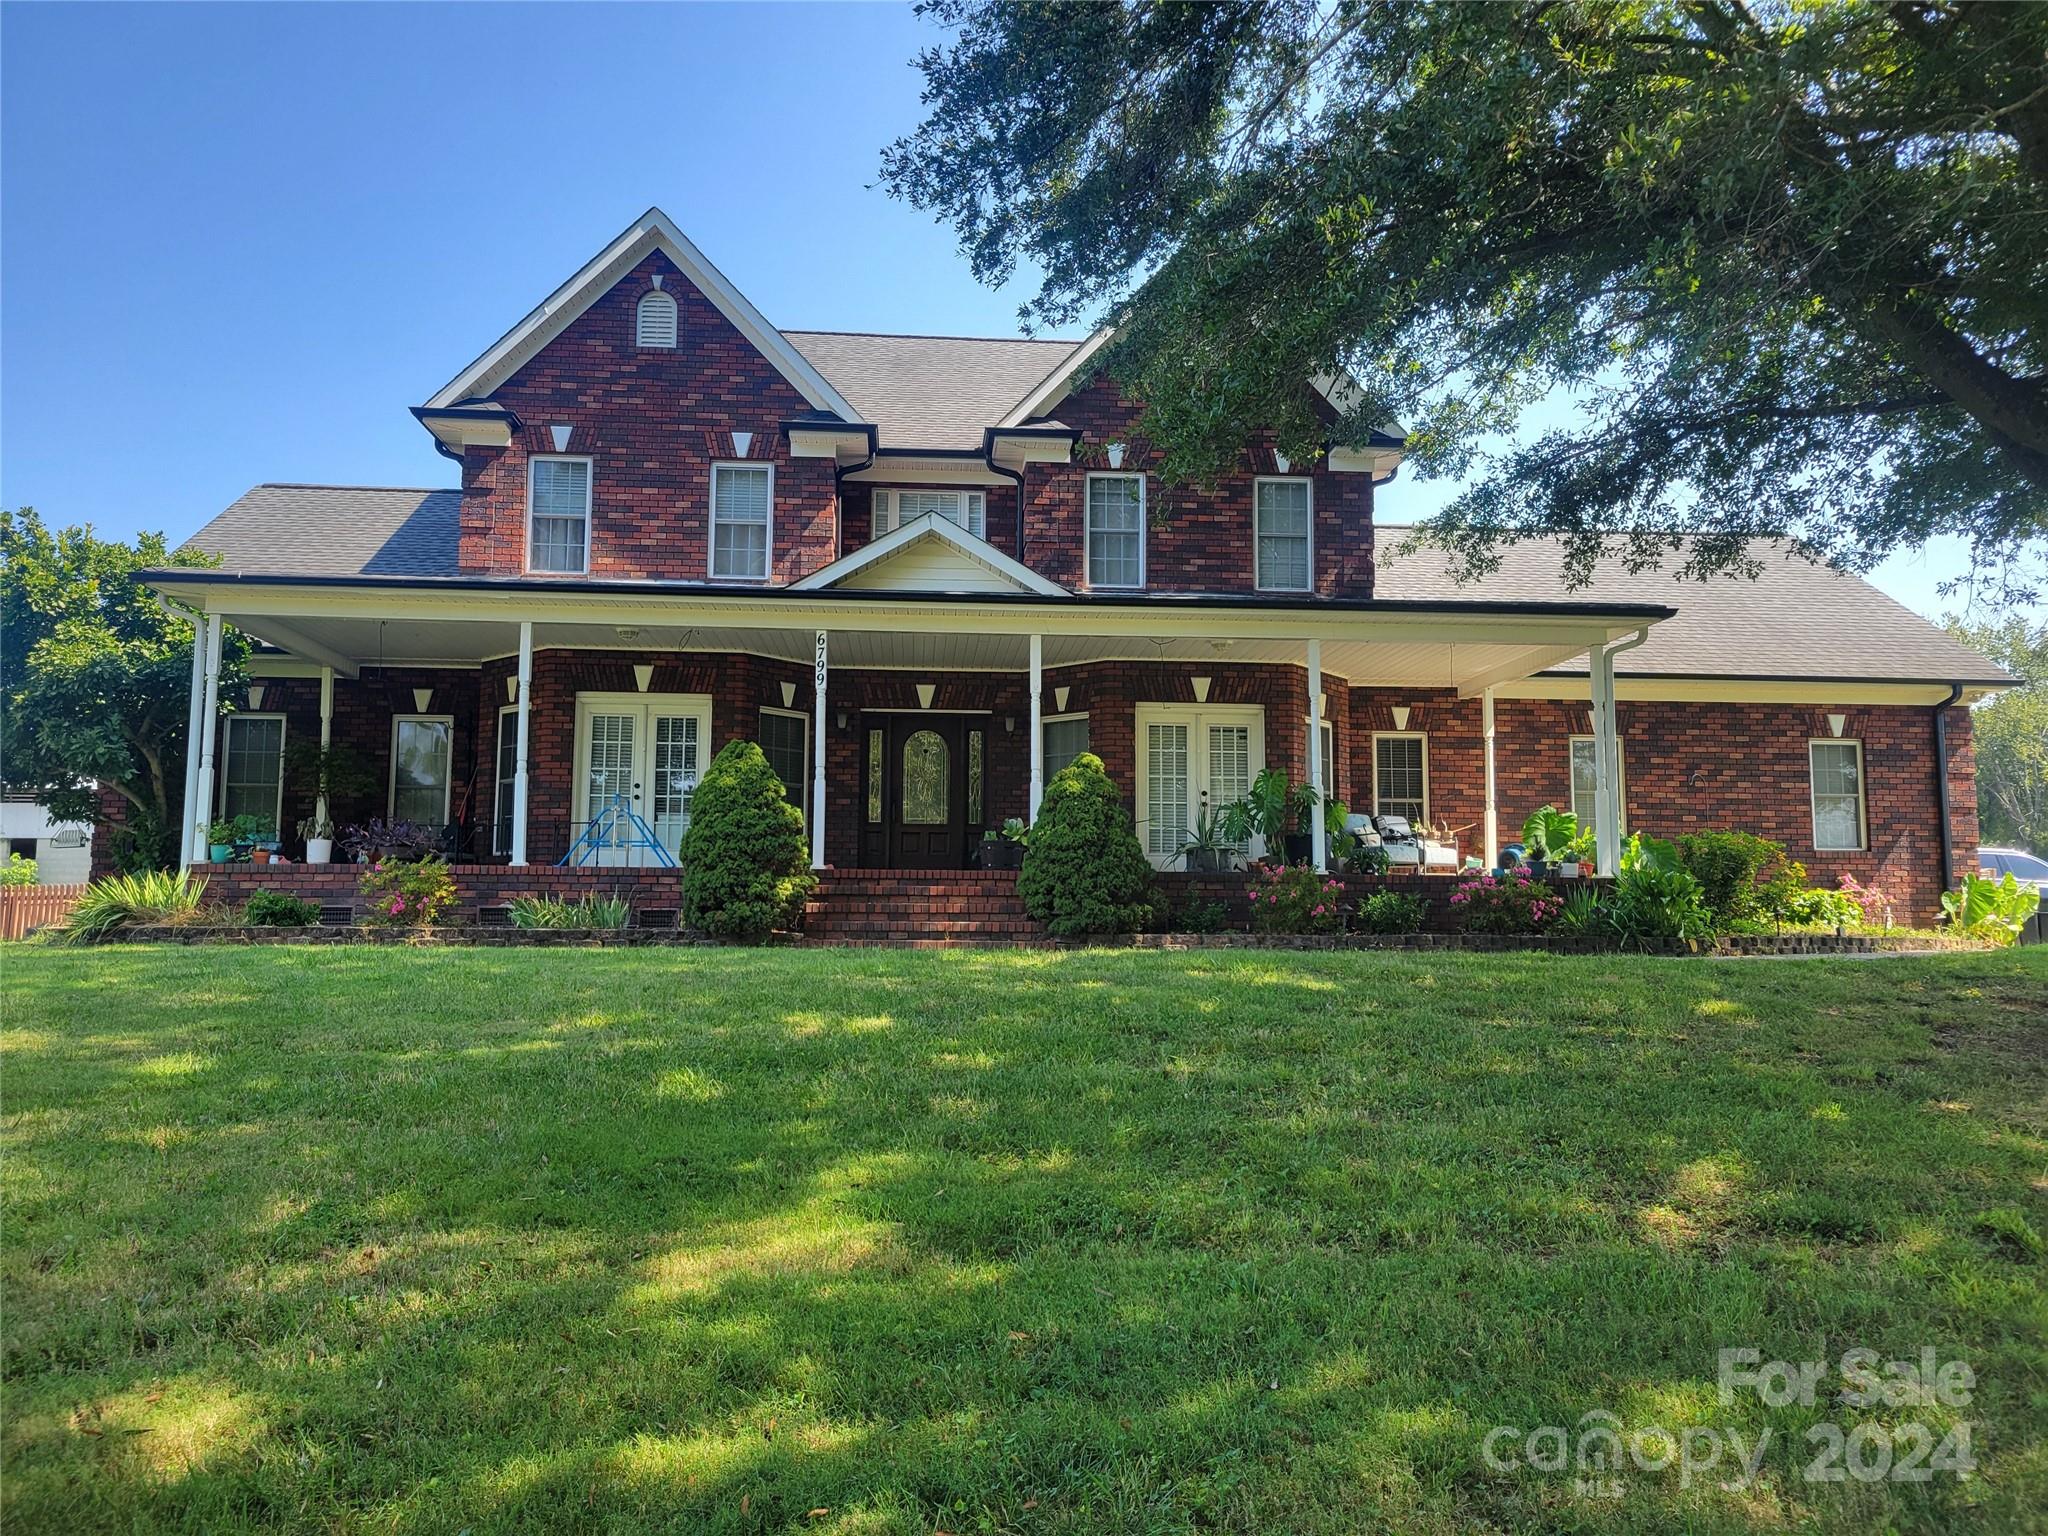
(963, 509)
(739, 521)
(656, 321)
(885, 513)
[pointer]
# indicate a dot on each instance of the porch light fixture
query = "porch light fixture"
(627, 632)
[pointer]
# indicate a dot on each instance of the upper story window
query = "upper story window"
(1116, 530)
(1836, 773)
(1280, 533)
(656, 321)
(964, 509)
(558, 514)
(741, 498)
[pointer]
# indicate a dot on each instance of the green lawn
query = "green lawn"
(434, 1240)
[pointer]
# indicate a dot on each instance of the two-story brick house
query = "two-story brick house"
(924, 572)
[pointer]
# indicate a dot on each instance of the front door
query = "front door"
(1192, 761)
(923, 789)
(639, 758)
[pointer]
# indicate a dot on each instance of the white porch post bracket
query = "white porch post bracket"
(1319, 832)
(209, 732)
(525, 734)
(194, 704)
(820, 674)
(326, 737)
(1492, 785)
(1606, 820)
(1037, 794)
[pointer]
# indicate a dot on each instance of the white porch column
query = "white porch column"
(820, 672)
(1319, 832)
(194, 704)
(1606, 810)
(209, 733)
(1492, 789)
(1037, 729)
(519, 760)
(326, 738)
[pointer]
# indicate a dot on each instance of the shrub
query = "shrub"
(407, 893)
(1654, 898)
(1511, 903)
(1873, 904)
(1729, 866)
(1582, 914)
(553, 912)
(1990, 909)
(746, 871)
(1201, 917)
(1392, 912)
(1084, 872)
(119, 901)
(279, 909)
(18, 871)
(1556, 836)
(403, 841)
(1295, 900)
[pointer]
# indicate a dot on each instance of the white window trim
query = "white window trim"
(502, 788)
(228, 721)
(391, 777)
(1310, 531)
(711, 523)
(1062, 719)
(884, 497)
(1620, 779)
(1377, 738)
(1862, 794)
(1088, 530)
(803, 718)
(675, 322)
(1329, 732)
(649, 705)
(1197, 718)
(589, 500)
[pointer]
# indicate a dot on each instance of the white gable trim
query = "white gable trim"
(653, 230)
(932, 526)
(1056, 386)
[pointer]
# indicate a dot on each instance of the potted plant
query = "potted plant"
(1270, 811)
(220, 842)
(318, 833)
(1208, 849)
(330, 773)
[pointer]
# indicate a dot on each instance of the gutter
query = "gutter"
(839, 474)
(1948, 852)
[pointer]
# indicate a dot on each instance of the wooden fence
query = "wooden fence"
(24, 908)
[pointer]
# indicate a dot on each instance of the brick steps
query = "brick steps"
(920, 907)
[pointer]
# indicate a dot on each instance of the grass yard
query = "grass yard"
(443, 1240)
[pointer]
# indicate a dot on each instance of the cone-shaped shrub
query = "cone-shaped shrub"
(1083, 869)
(745, 867)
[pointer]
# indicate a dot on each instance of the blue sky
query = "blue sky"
(238, 241)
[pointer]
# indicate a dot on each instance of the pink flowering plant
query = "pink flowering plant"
(1508, 903)
(406, 893)
(1875, 906)
(1295, 900)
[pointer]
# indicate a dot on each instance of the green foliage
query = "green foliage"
(1270, 810)
(1509, 903)
(1368, 859)
(1295, 900)
(2010, 734)
(406, 893)
(1556, 836)
(337, 770)
(1392, 912)
(1582, 915)
(143, 900)
(1990, 909)
(98, 680)
(589, 911)
(17, 871)
(746, 869)
(1084, 871)
(1729, 867)
(1655, 898)
(1201, 917)
(1787, 259)
(279, 909)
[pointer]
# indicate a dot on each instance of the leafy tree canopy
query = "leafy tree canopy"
(97, 677)
(2011, 735)
(1790, 257)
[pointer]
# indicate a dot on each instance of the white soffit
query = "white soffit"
(652, 231)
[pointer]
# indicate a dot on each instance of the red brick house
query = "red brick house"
(924, 572)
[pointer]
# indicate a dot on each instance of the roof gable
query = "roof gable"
(652, 231)
(930, 554)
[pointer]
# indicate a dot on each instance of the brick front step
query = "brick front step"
(918, 906)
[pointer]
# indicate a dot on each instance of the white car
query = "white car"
(2027, 868)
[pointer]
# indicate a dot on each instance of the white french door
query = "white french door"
(1191, 760)
(643, 754)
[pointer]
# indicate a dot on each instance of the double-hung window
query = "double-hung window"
(252, 768)
(507, 778)
(422, 768)
(1585, 783)
(1281, 516)
(1836, 770)
(558, 514)
(1066, 738)
(1116, 530)
(785, 742)
(741, 498)
(963, 509)
(1400, 776)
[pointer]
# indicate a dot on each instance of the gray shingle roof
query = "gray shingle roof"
(930, 391)
(1796, 619)
(337, 530)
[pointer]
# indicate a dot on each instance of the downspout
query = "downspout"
(988, 457)
(1948, 853)
(839, 474)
